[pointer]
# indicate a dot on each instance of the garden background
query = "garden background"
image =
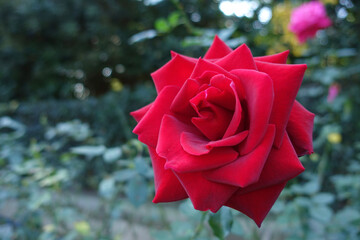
(72, 70)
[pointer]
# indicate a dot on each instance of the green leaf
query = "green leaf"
(323, 198)
(161, 25)
(182, 229)
(322, 213)
(216, 226)
(187, 208)
(124, 175)
(142, 167)
(347, 216)
(227, 220)
(173, 19)
(107, 188)
(90, 151)
(308, 188)
(112, 154)
(237, 229)
(141, 36)
(161, 235)
(137, 191)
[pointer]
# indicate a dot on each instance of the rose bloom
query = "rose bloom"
(225, 130)
(307, 19)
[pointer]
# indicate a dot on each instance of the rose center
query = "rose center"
(215, 106)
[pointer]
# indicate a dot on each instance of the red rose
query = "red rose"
(226, 129)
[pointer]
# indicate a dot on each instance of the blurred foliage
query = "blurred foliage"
(72, 70)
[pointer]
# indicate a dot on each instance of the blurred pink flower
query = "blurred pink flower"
(307, 19)
(334, 90)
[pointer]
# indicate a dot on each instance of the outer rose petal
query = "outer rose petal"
(174, 72)
(246, 169)
(139, 114)
(203, 66)
(148, 127)
(276, 58)
(259, 96)
(204, 194)
(190, 59)
(300, 128)
(240, 58)
(218, 49)
(257, 204)
(167, 186)
(281, 166)
(287, 80)
(169, 147)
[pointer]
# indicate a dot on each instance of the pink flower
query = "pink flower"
(334, 90)
(307, 19)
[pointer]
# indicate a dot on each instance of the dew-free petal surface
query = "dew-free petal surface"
(218, 49)
(204, 194)
(282, 165)
(240, 58)
(300, 129)
(256, 205)
(175, 72)
(287, 79)
(245, 170)
(275, 58)
(169, 147)
(139, 114)
(259, 98)
(167, 186)
(148, 127)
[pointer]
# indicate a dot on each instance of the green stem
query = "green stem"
(323, 164)
(200, 226)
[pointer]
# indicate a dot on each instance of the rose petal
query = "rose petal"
(212, 120)
(203, 66)
(181, 103)
(256, 205)
(229, 141)
(194, 144)
(240, 58)
(167, 185)
(236, 118)
(204, 194)
(175, 72)
(286, 80)
(223, 95)
(218, 49)
(169, 147)
(276, 58)
(148, 127)
(281, 166)
(139, 114)
(197, 145)
(190, 59)
(300, 129)
(259, 96)
(204, 72)
(245, 170)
